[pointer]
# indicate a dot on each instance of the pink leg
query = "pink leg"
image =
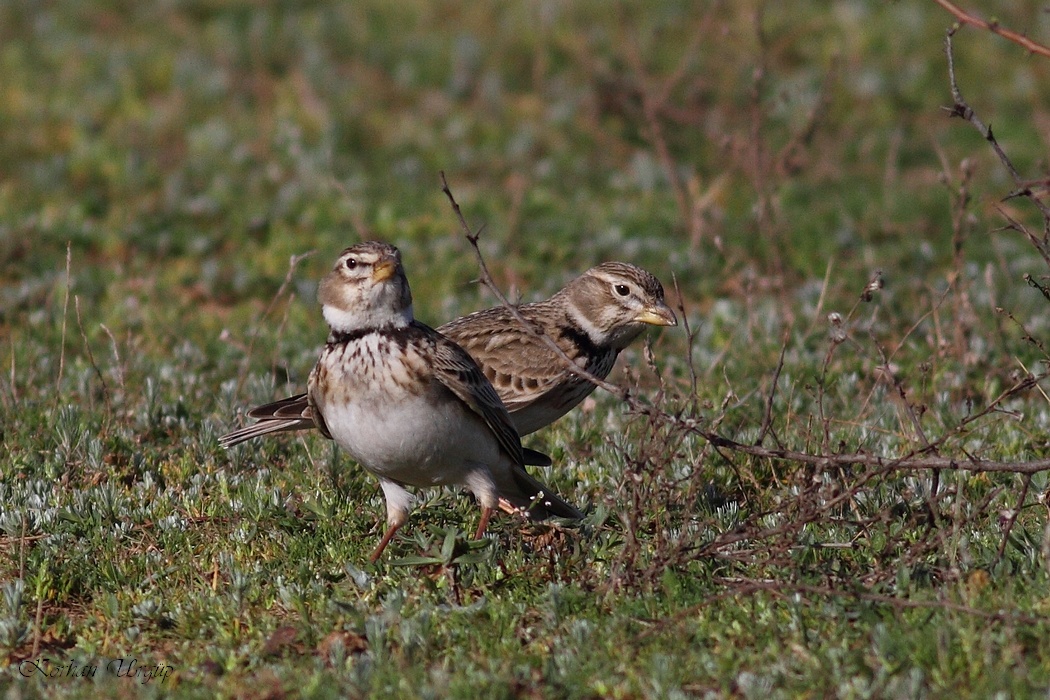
(486, 513)
(387, 536)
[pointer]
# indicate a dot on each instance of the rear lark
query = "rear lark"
(411, 406)
(592, 319)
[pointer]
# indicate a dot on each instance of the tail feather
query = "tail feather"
(297, 406)
(263, 427)
(536, 459)
(539, 502)
(292, 413)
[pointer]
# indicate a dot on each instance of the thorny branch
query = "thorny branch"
(994, 27)
(486, 279)
(962, 109)
(920, 459)
(767, 421)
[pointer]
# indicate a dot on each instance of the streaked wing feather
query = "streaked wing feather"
(497, 341)
(459, 373)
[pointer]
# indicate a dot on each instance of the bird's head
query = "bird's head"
(367, 288)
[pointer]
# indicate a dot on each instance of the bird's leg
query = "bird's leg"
(387, 536)
(398, 501)
(486, 513)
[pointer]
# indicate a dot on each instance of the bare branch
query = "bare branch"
(767, 421)
(533, 329)
(962, 109)
(994, 27)
(1012, 518)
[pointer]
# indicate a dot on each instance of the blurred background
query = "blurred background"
(184, 151)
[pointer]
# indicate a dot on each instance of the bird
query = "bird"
(592, 319)
(410, 405)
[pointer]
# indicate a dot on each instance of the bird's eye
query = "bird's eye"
(350, 263)
(622, 289)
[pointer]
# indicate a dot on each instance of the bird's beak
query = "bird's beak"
(658, 314)
(384, 269)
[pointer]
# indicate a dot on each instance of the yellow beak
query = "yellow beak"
(384, 269)
(657, 315)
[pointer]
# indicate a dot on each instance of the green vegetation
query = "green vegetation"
(162, 162)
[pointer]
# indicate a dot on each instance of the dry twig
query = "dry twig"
(962, 109)
(994, 27)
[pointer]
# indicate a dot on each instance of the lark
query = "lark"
(592, 319)
(408, 404)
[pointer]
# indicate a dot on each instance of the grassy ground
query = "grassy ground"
(161, 163)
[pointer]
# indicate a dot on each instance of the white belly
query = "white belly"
(411, 442)
(421, 438)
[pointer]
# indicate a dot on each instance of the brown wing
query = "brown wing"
(531, 380)
(460, 374)
(520, 366)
